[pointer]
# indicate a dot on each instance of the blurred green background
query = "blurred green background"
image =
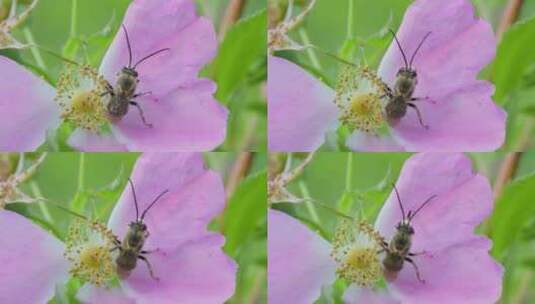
(334, 27)
(91, 184)
(360, 182)
(63, 26)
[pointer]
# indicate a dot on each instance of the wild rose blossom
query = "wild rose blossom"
(456, 107)
(187, 259)
(179, 105)
(453, 261)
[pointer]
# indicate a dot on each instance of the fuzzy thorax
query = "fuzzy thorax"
(358, 95)
(356, 249)
(81, 97)
(88, 248)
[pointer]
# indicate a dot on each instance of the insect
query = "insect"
(131, 248)
(398, 250)
(124, 92)
(406, 80)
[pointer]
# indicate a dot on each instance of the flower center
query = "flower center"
(358, 95)
(356, 252)
(89, 250)
(80, 95)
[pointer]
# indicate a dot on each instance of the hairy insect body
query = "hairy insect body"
(396, 108)
(398, 250)
(122, 94)
(401, 96)
(131, 248)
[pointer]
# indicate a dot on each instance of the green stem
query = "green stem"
(42, 206)
(36, 53)
(310, 52)
(81, 172)
(74, 18)
(310, 207)
(350, 21)
(349, 172)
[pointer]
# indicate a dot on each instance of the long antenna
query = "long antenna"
(400, 48)
(411, 216)
(418, 48)
(135, 198)
(128, 44)
(152, 204)
(148, 56)
(399, 201)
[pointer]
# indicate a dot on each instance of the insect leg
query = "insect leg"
(149, 266)
(142, 94)
(109, 90)
(150, 251)
(418, 113)
(412, 254)
(426, 98)
(141, 113)
(415, 269)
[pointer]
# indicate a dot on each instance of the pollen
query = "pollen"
(89, 249)
(359, 93)
(81, 96)
(356, 248)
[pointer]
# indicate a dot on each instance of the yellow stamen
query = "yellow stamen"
(81, 97)
(356, 252)
(358, 95)
(89, 249)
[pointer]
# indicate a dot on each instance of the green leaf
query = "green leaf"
(244, 44)
(515, 53)
(513, 211)
(245, 211)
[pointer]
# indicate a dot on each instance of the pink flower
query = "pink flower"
(455, 265)
(187, 261)
(452, 99)
(179, 105)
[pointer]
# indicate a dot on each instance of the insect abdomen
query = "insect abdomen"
(393, 262)
(117, 107)
(127, 260)
(396, 108)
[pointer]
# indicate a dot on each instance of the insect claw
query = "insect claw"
(135, 104)
(415, 269)
(149, 266)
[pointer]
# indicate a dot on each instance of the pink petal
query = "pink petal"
(460, 112)
(299, 262)
(462, 273)
(177, 226)
(32, 261)
(195, 272)
(355, 295)
(362, 141)
(156, 24)
(27, 107)
(301, 108)
(188, 119)
(90, 142)
(181, 107)
(89, 294)
(444, 230)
